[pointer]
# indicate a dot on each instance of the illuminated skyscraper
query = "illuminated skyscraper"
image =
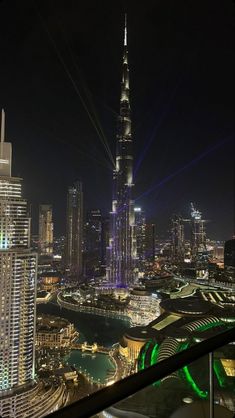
(140, 232)
(150, 241)
(93, 241)
(17, 281)
(122, 242)
(45, 229)
(105, 236)
(198, 233)
(229, 260)
(74, 228)
(177, 238)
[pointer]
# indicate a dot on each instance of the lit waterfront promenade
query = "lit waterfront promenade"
(91, 309)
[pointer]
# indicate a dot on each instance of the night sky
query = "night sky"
(58, 57)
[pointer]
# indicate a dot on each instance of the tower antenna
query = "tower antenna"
(3, 126)
(125, 31)
(2, 132)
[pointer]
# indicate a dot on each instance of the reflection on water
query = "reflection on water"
(98, 365)
(92, 328)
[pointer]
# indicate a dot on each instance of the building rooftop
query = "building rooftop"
(140, 291)
(51, 323)
(140, 333)
(191, 306)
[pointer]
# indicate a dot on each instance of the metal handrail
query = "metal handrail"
(104, 398)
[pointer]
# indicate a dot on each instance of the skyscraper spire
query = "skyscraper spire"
(5, 150)
(125, 31)
(122, 240)
(2, 136)
(125, 69)
(3, 126)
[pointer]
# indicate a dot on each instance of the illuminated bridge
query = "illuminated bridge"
(93, 348)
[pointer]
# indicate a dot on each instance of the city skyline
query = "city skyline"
(120, 119)
(181, 106)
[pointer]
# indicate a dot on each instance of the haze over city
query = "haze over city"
(117, 245)
(53, 59)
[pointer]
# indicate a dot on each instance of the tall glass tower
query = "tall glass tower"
(45, 229)
(17, 280)
(74, 228)
(122, 242)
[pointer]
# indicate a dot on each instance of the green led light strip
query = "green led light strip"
(183, 346)
(141, 362)
(200, 393)
(219, 372)
(154, 354)
(154, 357)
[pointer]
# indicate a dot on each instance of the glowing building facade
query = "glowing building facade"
(93, 241)
(18, 281)
(140, 233)
(45, 229)
(177, 237)
(198, 233)
(74, 228)
(143, 306)
(122, 242)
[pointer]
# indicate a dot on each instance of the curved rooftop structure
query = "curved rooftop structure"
(187, 307)
(139, 291)
(141, 334)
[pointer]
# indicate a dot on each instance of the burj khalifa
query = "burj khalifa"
(122, 240)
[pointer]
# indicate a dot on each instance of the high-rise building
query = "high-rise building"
(20, 394)
(150, 241)
(45, 229)
(74, 229)
(122, 242)
(198, 233)
(92, 241)
(177, 239)
(229, 253)
(105, 235)
(229, 260)
(140, 233)
(18, 281)
(218, 252)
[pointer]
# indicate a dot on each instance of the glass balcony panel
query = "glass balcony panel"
(185, 393)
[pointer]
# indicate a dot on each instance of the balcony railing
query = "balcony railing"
(119, 391)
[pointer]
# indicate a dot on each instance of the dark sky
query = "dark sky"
(53, 53)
